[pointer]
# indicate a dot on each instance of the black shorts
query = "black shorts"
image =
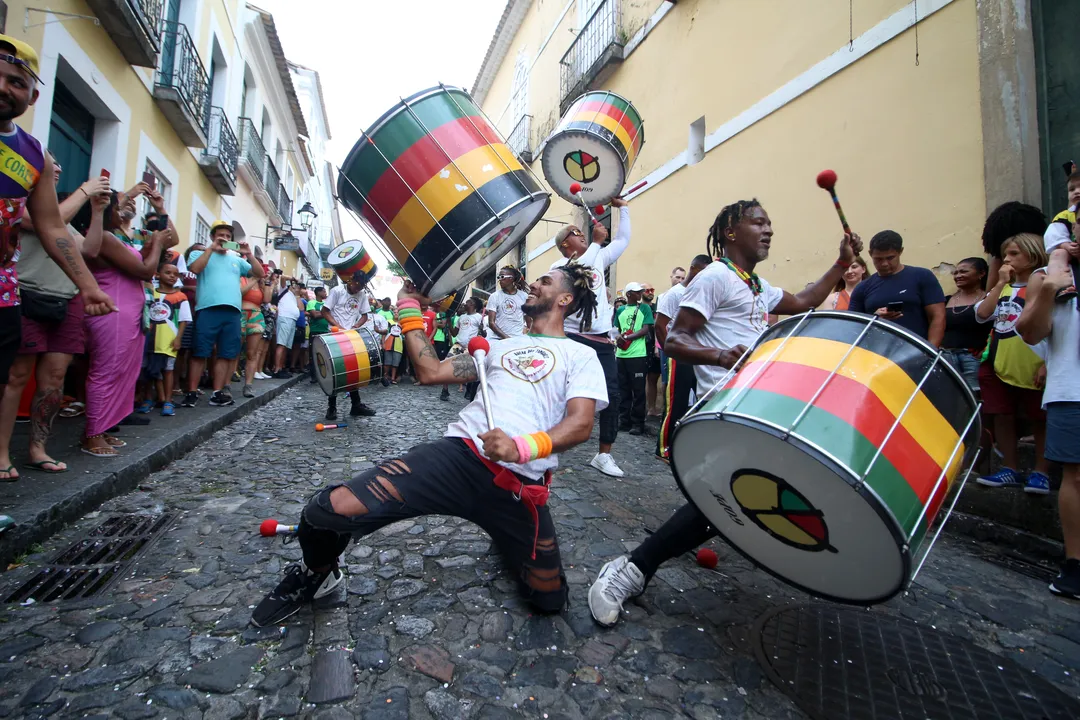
(10, 339)
(654, 365)
(442, 349)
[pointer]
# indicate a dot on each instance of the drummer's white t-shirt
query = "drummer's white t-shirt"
(735, 316)
(599, 258)
(347, 309)
(530, 380)
(468, 328)
(668, 303)
(508, 314)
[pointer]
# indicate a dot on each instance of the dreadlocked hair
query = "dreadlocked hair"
(1008, 220)
(519, 279)
(728, 218)
(580, 277)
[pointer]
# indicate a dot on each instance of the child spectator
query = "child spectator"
(1061, 245)
(1012, 374)
(169, 315)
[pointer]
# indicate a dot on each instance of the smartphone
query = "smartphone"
(161, 223)
(895, 307)
(230, 245)
(105, 173)
(151, 180)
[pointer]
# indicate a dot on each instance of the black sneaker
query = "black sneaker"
(282, 374)
(220, 399)
(1067, 583)
(361, 410)
(299, 587)
(444, 395)
(191, 399)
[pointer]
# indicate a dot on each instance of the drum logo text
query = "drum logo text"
(727, 508)
(776, 507)
(532, 364)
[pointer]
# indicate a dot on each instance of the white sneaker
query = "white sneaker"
(261, 376)
(619, 580)
(606, 464)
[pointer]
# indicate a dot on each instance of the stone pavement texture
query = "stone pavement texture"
(427, 624)
(41, 503)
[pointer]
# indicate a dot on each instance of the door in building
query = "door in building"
(71, 138)
(168, 42)
(1057, 61)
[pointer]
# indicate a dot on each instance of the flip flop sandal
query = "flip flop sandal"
(101, 452)
(9, 469)
(40, 466)
(115, 441)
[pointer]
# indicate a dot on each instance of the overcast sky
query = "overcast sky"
(370, 53)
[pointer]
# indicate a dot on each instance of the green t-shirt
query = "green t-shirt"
(320, 324)
(440, 336)
(627, 317)
(388, 315)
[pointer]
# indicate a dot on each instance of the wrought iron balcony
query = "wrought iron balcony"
(594, 52)
(272, 182)
(520, 139)
(284, 205)
(182, 87)
(252, 161)
(218, 160)
(134, 27)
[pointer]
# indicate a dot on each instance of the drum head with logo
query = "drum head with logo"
(789, 509)
(350, 257)
(576, 156)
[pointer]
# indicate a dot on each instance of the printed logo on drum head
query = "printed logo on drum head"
(531, 363)
(776, 507)
(582, 166)
(489, 246)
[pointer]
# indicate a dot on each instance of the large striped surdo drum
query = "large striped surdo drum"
(826, 457)
(345, 361)
(595, 145)
(435, 181)
(349, 258)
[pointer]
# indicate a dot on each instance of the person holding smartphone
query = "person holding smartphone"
(217, 310)
(906, 295)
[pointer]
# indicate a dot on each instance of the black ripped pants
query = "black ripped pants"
(441, 478)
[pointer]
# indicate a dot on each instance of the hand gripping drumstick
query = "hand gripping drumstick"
(479, 348)
(826, 180)
(575, 190)
(270, 528)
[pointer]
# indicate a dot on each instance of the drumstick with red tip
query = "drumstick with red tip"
(575, 190)
(271, 528)
(479, 348)
(319, 427)
(826, 180)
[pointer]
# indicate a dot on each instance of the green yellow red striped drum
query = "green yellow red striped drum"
(451, 302)
(596, 145)
(351, 257)
(347, 360)
(828, 455)
(441, 189)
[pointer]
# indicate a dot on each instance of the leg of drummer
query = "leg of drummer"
(624, 578)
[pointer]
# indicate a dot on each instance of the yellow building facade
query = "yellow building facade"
(164, 86)
(752, 98)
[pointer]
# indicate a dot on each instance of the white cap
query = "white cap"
(633, 287)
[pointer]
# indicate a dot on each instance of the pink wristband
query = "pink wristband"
(524, 451)
(408, 303)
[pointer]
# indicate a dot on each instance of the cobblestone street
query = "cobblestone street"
(426, 624)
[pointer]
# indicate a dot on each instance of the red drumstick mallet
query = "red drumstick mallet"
(575, 190)
(826, 180)
(319, 427)
(270, 528)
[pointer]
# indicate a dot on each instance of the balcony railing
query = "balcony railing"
(251, 150)
(520, 139)
(272, 183)
(182, 86)
(134, 27)
(284, 204)
(598, 45)
(220, 156)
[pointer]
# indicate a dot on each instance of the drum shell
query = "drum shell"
(608, 119)
(347, 360)
(435, 181)
(350, 257)
(839, 434)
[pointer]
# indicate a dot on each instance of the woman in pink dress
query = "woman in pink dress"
(115, 342)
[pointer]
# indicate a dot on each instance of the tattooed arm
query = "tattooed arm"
(59, 244)
(430, 370)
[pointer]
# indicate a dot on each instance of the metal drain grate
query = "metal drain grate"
(858, 665)
(89, 566)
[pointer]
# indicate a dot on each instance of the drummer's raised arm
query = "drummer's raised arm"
(814, 294)
(622, 234)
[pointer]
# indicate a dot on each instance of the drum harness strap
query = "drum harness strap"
(532, 496)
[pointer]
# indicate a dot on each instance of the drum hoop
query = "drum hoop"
(827, 460)
(486, 227)
(395, 111)
(589, 133)
(340, 263)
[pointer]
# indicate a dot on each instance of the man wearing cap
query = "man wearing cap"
(348, 306)
(217, 311)
(634, 321)
(27, 183)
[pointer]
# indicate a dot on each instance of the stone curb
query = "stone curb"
(132, 469)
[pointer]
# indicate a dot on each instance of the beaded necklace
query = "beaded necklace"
(751, 279)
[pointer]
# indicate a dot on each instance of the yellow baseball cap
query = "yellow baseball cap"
(24, 55)
(218, 224)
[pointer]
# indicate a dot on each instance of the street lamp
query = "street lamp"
(307, 215)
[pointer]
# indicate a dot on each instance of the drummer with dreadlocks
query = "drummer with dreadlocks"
(504, 307)
(722, 312)
(544, 389)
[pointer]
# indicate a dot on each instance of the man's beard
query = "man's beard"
(762, 254)
(540, 307)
